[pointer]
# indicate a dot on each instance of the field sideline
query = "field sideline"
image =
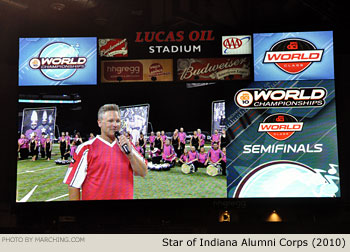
(41, 180)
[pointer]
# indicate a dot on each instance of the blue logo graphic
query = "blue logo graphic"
(57, 61)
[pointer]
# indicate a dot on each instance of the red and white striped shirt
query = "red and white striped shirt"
(101, 170)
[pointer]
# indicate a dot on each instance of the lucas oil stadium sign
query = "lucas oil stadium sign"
(162, 42)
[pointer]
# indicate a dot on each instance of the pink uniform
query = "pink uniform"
(26, 143)
(215, 155)
(182, 136)
(101, 170)
(68, 140)
(168, 153)
(192, 155)
(72, 150)
(215, 138)
(164, 137)
(223, 157)
(202, 157)
(184, 158)
(201, 139)
(152, 138)
(42, 141)
(23, 142)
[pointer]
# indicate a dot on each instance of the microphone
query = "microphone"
(124, 146)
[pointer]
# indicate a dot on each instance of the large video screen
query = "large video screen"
(57, 61)
(181, 159)
(293, 56)
(271, 148)
(274, 138)
(285, 141)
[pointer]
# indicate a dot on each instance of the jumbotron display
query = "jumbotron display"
(280, 150)
(133, 138)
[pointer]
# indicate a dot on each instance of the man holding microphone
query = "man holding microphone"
(104, 167)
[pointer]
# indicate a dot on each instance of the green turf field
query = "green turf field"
(46, 175)
(46, 178)
(175, 184)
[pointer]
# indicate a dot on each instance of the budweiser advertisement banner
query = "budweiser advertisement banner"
(136, 70)
(208, 69)
(113, 47)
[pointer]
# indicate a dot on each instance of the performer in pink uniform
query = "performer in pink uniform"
(182, 137)
(23, 147)
(215, 138)
(169, 154)
(151, 139)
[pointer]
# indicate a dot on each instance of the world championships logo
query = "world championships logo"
(58, 61)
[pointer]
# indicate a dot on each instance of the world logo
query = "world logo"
(58, 61)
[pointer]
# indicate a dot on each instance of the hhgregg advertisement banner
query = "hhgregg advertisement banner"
(277, 150)
(57, 61)
(293, 56)
(145, 70)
